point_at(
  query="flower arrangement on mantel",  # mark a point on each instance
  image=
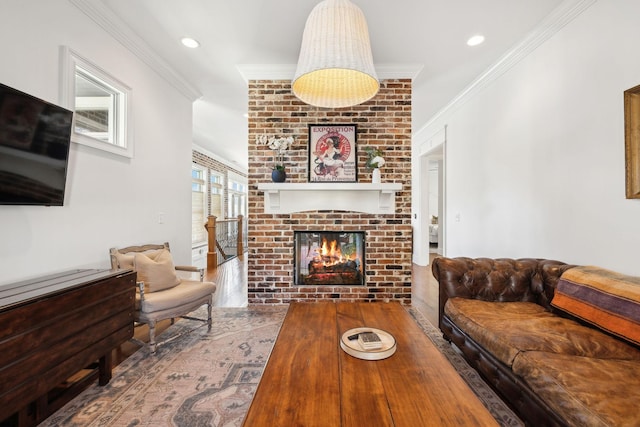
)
(279, 145)
(374, 162)
(374, 158)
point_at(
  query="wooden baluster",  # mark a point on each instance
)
(212, 255)
(240, 247)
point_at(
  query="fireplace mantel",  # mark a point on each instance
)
(284, 198)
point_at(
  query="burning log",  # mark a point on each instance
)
(316, 267)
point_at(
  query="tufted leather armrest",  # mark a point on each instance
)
(550, 272)
(500, 279)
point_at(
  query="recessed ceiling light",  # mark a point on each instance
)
(189, 42)
(475, 40)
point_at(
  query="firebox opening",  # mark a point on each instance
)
(329, 258)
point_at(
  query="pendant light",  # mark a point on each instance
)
(335, 67)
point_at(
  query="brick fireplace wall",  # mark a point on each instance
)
(384, 122)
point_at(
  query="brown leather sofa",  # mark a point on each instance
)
(551, 368)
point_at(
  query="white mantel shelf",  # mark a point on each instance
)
(285, 198)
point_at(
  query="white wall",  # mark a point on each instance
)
(535, 161)
(110, 200)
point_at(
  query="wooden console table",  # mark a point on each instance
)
(309, 381)
(52, 328)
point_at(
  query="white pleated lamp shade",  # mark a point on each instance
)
(335, 67)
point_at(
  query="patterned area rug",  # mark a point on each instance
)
(202, 378)
(208, 378)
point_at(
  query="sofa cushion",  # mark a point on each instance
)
(584, 391)
(186, 292)
(156, 270)
(604, 298)
(507, 328)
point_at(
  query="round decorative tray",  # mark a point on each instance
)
(353, 348)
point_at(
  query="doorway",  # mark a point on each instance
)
(434, 167)
(430, 200)
(433, 206)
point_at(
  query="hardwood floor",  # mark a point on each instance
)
(424, 291)
(231, 278)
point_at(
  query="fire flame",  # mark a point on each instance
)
(330, 253)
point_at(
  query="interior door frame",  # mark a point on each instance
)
(432, 149)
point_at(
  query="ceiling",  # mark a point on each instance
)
(426, 36)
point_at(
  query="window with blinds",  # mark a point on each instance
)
(198, 205)
(216, 188)
(237, 195)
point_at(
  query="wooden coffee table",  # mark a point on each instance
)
(310, 381)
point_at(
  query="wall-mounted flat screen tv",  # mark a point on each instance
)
(35, 136)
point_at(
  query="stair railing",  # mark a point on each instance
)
(225, 239)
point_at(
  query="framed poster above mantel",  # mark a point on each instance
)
(632, 141)
(332, 153)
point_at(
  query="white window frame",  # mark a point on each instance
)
(119, 138)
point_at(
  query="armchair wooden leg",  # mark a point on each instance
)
(152, 336)
(209, 308)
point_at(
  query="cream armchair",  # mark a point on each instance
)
(161, 293)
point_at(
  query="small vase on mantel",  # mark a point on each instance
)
(375, 176)
(278, 175)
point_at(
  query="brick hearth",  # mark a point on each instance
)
(383, 122)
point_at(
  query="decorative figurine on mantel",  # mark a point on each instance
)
(279, 145)
(374, 162)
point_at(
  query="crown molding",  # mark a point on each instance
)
(287, 71)
(398, 71)
(230, 164)
(266, 71)
(566, 12)
(114, 26)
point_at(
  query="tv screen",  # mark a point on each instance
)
(35, 136)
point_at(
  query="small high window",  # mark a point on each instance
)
(101, 104)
